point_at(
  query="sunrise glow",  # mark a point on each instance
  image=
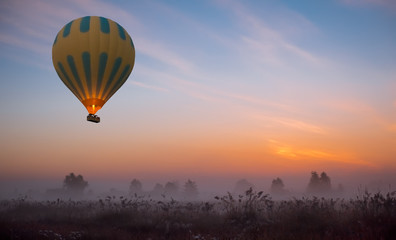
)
(219, 90)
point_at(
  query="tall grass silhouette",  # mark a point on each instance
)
(252, 215)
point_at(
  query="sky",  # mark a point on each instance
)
(221, 90)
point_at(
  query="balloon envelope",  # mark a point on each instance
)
(93, 56)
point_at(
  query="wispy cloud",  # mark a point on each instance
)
(256, 100)
(106, 9)
(303, 54)
(144, 85)
(269, 43)
(349, 105)
(24, 44)
(363, 113)
(161, 52)
(293, 123)
(287, 150)
(33, 25)
(295, 152)
(36, 23)
(211, 93)
(383, 3)
(27, 26)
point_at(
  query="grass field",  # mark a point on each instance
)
(253, 215)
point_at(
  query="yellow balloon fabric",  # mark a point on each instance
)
(93, 56)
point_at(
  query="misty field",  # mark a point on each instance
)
(253, 215)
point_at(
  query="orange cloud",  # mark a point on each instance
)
(286, 150)
(300, 153)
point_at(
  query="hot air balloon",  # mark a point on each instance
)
(93, 56)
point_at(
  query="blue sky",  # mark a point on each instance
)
(291, 85)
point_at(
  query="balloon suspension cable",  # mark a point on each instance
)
(93, 118)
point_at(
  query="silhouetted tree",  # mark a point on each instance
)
(158, 190)
(314, 182)
(74, 184)
(135, 187)
(277, 186)
(190, 190)
(325, 182)
(319, 184)
(171, 188)
(242, 186)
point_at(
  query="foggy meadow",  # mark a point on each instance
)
(183, 210)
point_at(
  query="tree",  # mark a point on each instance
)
(319, 184)
(190, 190)
(242, 186)
(135, 187)
(277, 186)
(171, 188)
(314, 182)
(325, 182)
(74, 184)
(157, 191)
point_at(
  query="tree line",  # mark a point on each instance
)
(75, 185)
(317, 184)
(189, 191)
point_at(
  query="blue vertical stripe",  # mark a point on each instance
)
(116, 66)
(70, 84)
(121, 31)
(66, 31)
(101, 70)
(73, 68)
(84, 24)
(104, 25)
(124, 75)
(86, 59)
